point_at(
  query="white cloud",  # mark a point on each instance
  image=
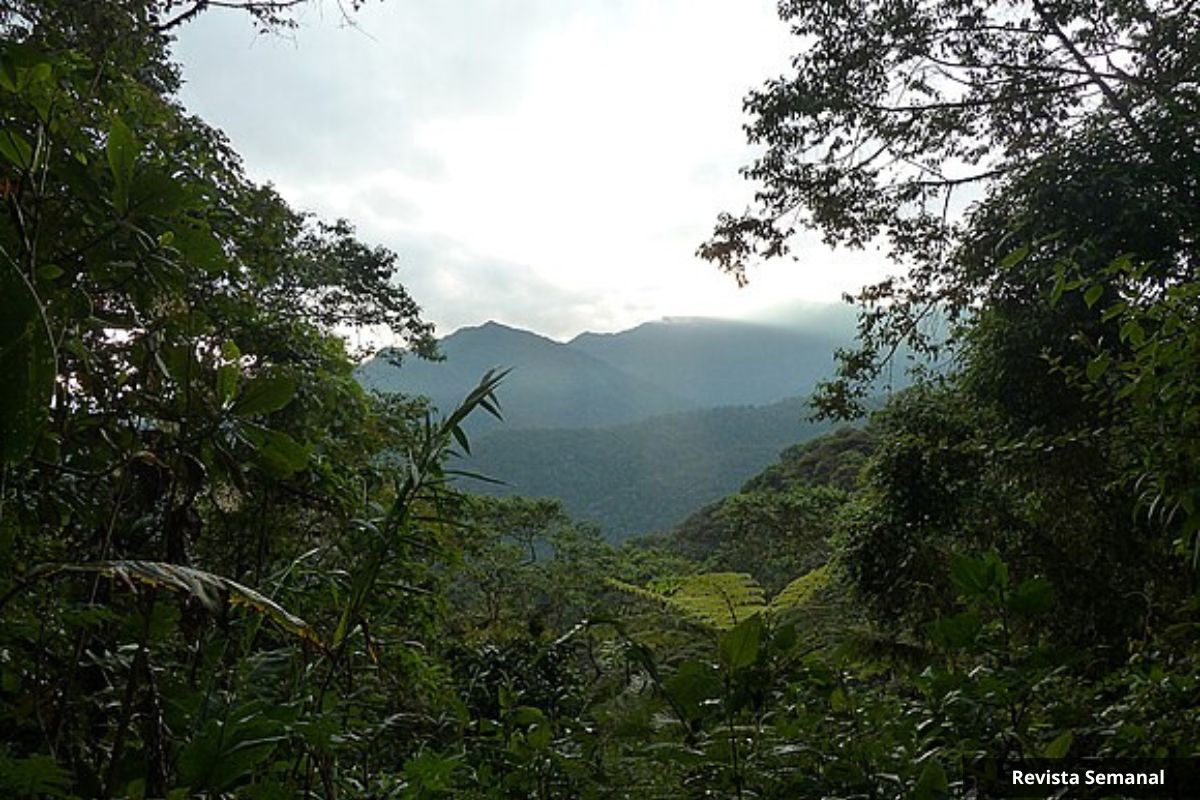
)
(552, 165)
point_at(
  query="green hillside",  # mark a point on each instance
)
(777, 525)
(647, 476)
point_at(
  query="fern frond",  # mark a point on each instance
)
(718, 600)
(801, 591)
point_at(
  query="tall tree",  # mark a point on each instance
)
(897, 113)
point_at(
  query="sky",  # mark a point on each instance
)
(548, 164)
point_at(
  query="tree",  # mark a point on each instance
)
(894, 110)
(181, 418)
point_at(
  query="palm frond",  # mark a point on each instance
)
(214, 592)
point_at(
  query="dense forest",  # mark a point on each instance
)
(641, 477)
(228, 570)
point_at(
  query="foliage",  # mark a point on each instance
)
(214, 593)
(999, 565)
(645, 476)
(781, 523)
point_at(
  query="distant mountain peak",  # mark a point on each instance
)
(493, 325)
(498, 331)
(676, 363)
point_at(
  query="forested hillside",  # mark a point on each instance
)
(771, 506)
(227, 570)
(645, 476)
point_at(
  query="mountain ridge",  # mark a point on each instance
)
(603, 379)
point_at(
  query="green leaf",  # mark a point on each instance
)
(227, 750)
(1098, 366)
(33, 776)
(265, 394)
(121, 150)
(1032, 597)
(801, 591)
(956, 632)
(227, 381)
(1093, 294)
(738, 648)
(461, 437)
(434, 774)
(14, 148)
(178, 363)
(714, 599)
(277, 451)
(28, 364)
(692, 684)
(785, 638)
(1060, 746)
(49, 272)
(1114, 311)
(1133, 333)
(199, 247)
(932, 782)
(214, 592)
(978, 578)
(539, 737)
(1014, 257)
(527, 715)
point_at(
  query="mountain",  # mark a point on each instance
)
(717, 362)
(637, 429)
(551, 384)
(603, 379)
(646, 476)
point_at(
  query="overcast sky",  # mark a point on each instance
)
(551, 164)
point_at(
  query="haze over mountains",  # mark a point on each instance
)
(637, 429)
(603, 379)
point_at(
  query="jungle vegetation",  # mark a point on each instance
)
(227, 570)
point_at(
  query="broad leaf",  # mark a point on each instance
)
(1060, 746)
(1032, 597)
(278, 452)
(957, 632)
(15, 149)
(265, 394)
(692, 684)
(738, 648)
(932, 782)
